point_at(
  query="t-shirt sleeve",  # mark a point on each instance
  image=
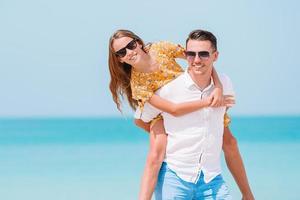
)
(227, 90)
(169, 49)
(227, 85)
(147, 114)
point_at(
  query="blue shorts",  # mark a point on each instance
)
(170, 186)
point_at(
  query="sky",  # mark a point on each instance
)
(53, 54)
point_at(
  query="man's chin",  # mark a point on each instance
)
(198, 72)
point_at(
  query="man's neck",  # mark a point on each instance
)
(201, 80)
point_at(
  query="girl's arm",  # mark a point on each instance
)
(178, 109)
(217, 94)
(216, 79)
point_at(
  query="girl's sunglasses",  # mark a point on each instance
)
(131, 46)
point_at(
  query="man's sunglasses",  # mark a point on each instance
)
(203, 55)
(122, 52)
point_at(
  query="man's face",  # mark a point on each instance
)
(200, 56)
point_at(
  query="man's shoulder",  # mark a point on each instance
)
(175, 82)
(224, 78)
(227, 84)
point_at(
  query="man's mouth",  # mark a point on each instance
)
(198, 66)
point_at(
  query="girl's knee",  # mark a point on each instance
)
(158, 127)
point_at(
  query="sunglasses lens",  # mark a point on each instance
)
(121, 53)
(131, 45)
(190, 54)
(203, 54)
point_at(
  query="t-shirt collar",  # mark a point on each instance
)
(189, 82)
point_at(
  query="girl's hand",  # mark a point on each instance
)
(217, 97)
(228, 101)
(207, 101)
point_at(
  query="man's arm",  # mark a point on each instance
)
(235, 164)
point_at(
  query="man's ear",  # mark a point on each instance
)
(216, 55)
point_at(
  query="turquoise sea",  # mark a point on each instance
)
(103, 158)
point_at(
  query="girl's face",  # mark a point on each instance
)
(128, 50)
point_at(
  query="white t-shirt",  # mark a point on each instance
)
(195, 139)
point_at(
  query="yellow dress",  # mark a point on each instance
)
(144, 85)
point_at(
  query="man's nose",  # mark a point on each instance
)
(197, 59)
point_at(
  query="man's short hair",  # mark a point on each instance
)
(202, 35)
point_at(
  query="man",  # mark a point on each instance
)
(191, 168)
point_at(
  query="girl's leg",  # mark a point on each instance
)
(155, 157)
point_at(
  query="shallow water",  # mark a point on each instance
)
(81, 159)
